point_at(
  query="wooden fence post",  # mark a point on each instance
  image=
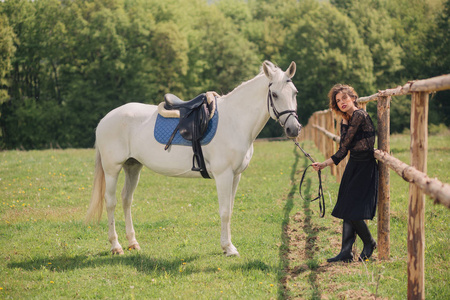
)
(330, 143)
(416, 216)
(320, 136)
(316, 131)
(363, 106)
(383, 108)
(324, 139)
(341, 165)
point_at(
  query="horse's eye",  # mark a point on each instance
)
(275, 95)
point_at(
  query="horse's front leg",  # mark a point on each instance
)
(226, 189)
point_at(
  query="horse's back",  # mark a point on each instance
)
(127, 115)
(132, 109)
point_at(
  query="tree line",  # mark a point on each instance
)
(64, 64)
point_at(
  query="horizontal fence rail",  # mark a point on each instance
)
(322, 128)
(435, 84)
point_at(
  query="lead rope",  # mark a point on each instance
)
(320, 190)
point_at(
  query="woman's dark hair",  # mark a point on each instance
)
(345, 89)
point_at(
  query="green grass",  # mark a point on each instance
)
(48, 252)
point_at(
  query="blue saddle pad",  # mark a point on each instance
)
(164, 128)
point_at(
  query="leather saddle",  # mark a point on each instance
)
(194, 116)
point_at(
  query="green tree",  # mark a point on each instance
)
(397, 33)
(64, 64)
(169, 58)
(327, 48)
(27, 120)
(230, 58)
(7, 50)
(219, 55)
(237, 10)
(97, 72)
(77, 60)
(411, 20)
(374, 25)
(271, 20)
(438, 54)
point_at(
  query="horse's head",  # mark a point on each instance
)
(282, 98)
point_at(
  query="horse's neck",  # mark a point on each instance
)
(248, 106)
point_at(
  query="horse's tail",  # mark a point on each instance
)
(95, 209)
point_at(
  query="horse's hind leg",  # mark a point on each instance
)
(132, 170)
(111, 201)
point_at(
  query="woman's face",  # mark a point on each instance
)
(345, 102)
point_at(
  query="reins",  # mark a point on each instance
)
(293, 113)
(320, 190)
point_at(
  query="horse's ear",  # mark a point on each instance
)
(290, 72)
(266, 68)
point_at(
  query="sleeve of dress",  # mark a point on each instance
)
(347, 135)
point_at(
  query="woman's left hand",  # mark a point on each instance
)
(318, 166)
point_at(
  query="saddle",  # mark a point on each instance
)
(194, 116)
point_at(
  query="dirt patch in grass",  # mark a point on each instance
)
(308, 275)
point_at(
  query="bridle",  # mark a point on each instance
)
(270, 104)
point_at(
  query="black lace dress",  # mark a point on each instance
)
(357, 198)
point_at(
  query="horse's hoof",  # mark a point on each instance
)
(134, 247)
(232, 254)
(230, 251)
(118, 251)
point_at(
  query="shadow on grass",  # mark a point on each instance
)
(141, 262)
(310, 245)
(311, 233)
(284, 248)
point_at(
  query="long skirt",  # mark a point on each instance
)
(358, 192)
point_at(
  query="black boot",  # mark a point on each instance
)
(348, 239)
(369, 243)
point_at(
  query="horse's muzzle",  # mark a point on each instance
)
(292, 129)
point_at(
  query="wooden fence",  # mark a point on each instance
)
(322, 128)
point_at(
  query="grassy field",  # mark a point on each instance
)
(48, 252)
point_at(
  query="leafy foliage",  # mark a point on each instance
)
(6, 52)
(327, 48)
(65, 64)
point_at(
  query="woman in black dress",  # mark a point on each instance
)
(357, 198)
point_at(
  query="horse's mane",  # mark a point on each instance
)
(277, 75)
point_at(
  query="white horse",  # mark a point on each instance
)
(124, 139)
